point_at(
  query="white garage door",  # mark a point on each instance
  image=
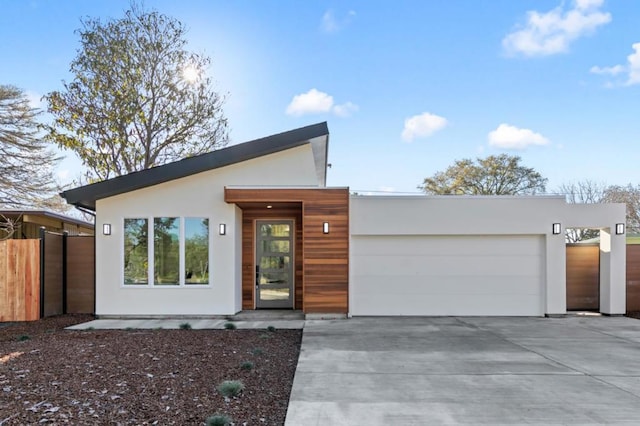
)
(446, 275)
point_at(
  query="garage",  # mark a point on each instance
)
(447, 275)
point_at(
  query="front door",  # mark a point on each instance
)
(274, 264)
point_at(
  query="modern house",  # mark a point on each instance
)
(253, 226)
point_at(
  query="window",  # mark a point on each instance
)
(196, 250)
(136, 251)
(178, 255)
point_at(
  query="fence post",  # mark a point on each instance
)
(65, 234)
(42, 236)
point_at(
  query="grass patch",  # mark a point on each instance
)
(257, 351)
(185, 326)
(229, 326)
(230, 388)
(271, 328)
(218, 420)
(23, 338)
(247, 365)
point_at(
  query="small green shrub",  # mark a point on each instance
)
(230, 388)
(257, 351)
(129, 329)
(219, 420)
(185, 326)
(271, 328)
(90, 328)
(23, 337)
(247, 365)
(230, 326)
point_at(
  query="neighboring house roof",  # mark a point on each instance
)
(316, 134)
(31, 215)
(632, 238)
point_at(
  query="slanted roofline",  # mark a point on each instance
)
(316, 134)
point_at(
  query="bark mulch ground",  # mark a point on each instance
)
(142, 377)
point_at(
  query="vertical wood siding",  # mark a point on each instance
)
(633, 277)
(583, 277)
(322, 260)
(19, 280)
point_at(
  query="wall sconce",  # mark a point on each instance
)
(325, 228)
(556, 228)
(106, 229)
(222, 229)
(619, 228)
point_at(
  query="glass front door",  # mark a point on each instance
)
(274, 264)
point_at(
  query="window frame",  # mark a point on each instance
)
(151, 253)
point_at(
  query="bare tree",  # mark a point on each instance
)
(629, 195)
(582, 192)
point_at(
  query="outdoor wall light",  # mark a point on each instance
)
(106, 229)
(222, 229)
(619, 228)
(325, 228)
(556, 228)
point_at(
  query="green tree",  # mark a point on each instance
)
(494, 175)
(27, 166)
(138, 98)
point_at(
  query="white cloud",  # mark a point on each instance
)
(511, 137)
(34, 99)
(615, 70)
(317, 102)
(634, 65)
(312, 102)
(422, 126)
(552, 32)
(345, 109)
(631, 70)
(330, 24)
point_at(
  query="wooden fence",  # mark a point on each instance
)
(48, 276)
(583, 277)
(19, 280)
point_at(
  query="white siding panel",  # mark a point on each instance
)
(440, 275)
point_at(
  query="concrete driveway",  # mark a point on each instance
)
(423, 371)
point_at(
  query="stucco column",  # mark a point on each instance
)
(556, 275)
(613, 264)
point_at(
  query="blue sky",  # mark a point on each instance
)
(407, 87)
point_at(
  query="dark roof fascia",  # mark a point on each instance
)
(86, 196)
(51, 215)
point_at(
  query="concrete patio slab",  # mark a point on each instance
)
(416, 371)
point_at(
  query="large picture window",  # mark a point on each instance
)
(178, 255)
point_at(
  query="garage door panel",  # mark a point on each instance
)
(452, 305)
(443, 265)
(457, 284)
(444, 275)
(443, 245)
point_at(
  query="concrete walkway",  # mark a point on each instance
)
(195, 323)
(422, 371)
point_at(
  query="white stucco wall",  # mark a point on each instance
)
(493, 217)
(200, 195)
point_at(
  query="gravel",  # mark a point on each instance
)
(49, 375)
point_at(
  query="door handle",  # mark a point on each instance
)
(257, 275)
